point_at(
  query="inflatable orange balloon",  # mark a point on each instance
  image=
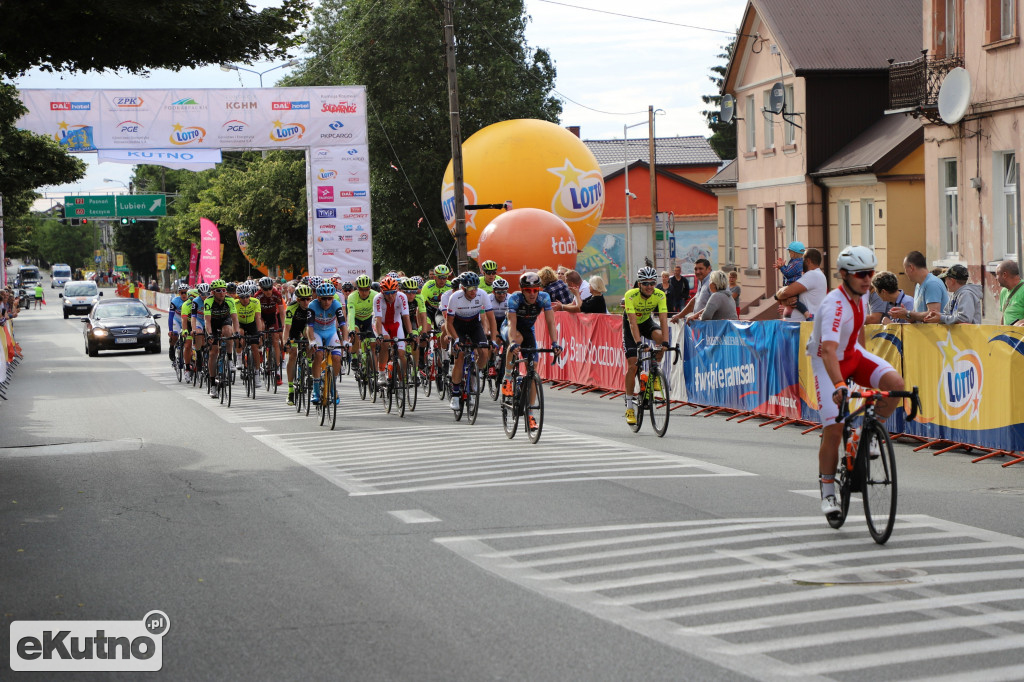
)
(527, 239)
(533, 164)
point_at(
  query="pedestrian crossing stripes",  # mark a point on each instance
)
(428, 451)
(787, 598)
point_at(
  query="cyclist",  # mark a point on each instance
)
(430, 297)
(468, 318)
(272, 311)
(360, 311)
(523, 309)
(328, 317)
(232, 290)
(638, 323)
(837, 355)
(297, 319)
(499, 305)
(250, 319)
(221, 318)
(490, 271)
(390, 321)
(186, 329)
(197, 321)
(411, 289)
(174, 318)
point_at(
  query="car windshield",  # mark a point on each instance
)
(105, 312)
(61, 272)
(80, 290)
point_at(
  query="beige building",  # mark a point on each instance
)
(972, 213)
(835, 87)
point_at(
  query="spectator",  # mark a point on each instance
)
(808, 291)
(595, 302)
(964, 306)
(792, 270)
(695, 306)
(929, 294)
(886, 296)
(562, 270)
(735, 289)
(679, 291)
(1011, 298)
(575, 281)
(720, 305)
(666, 285)
(556, 288)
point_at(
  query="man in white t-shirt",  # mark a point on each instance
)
(808, 291)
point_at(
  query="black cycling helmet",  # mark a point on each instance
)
(529, 280)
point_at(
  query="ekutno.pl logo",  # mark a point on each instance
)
(97, 645)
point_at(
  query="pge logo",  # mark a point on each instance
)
(284, 132)
(324, 193)
(96, 645)
(323, 238)
(325, 174)
(960, 382)
(337, 125)
(580, 193)
(235, 126)
(182, 135)
(327, 213)
(129, 127)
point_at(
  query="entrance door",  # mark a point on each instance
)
(771, 283)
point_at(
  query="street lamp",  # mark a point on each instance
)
(120, 182)
(234, 67)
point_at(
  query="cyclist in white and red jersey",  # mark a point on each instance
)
(390, 321)
(837, 355)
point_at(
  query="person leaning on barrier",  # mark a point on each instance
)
(886, 296)
(964, 306)
(929, 294)
(721, 305)
(1011, 298)
(695, 306)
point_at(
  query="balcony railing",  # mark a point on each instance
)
(914, 85)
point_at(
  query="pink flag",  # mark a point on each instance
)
(193, 262)
(209, 250)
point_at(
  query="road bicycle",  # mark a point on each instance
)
(495, 370)
(867, 465)
(249, 367)
(327, 408)
(271, 363)
(393, 391)
(225, 372)
(522, 393)
(472, 383)
(653, 395)
(179, 357)
(302, 388)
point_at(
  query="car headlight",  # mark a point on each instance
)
(98, 331)
(151, 329)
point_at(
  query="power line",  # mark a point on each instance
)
(656, 21)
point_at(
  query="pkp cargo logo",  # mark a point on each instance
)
(960, 382)
(283, 132)
(327, 213)
(182, 135)
(580, 193)
(89, 645)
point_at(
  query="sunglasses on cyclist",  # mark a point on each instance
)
(531, 290)
(220, 291)
(326, 298)
(647, 283)
(307, 299)
(863, 274)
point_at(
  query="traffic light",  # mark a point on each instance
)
(74, 221)
(85, 221)
(173, 266)
(128, 221)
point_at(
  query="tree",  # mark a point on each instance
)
(397, 51)
(723, 138)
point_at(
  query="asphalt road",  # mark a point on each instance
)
(424, 549)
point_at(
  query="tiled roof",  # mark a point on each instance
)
(692, 150)
(877, 149)
(727, 176)
(839, 35)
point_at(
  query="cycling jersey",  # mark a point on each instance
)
(391, 314)
(326, 319)
(195, 311)
(220, 313)
(430, 295)
(527, 313)
(635, 303)
(497, 307)
(443, 305)
(247, 313)
(270, 302)
(465, 308)
(488, 288)
(174, 313)
(297, 318)
(360, 308)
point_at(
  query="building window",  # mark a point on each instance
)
(867, 222)
(769, 127)
(790, 129)
(752, 237)
(843, 216)
(1007, 218)
(730, 236)
(949, 211)
(1006, 18)
(751, 125)
(950, 18)
(790, 222)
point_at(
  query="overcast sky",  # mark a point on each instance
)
(614, 67)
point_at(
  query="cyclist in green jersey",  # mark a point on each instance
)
(490, 272)
(429, 299)
(297, 324)
(638, 323)
(250, 319)
(359, 313)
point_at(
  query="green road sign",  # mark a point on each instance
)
(88, 207)
(141, 205)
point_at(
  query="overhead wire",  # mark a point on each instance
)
(656, 21)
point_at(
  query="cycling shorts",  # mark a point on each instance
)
(365, 328)
(176, 324)
(396, 331)
(647, 328)
(249, 328)
(526, 330)
(327, 337)
(271, 320)
(218, 331)
(470, 330)
(866, 369)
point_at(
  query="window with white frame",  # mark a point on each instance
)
(949, 209)
(730, 236)
(843, 218)
(867, 222)
(751, 124)
(769, 126)
(1005, 211)
(1006, 18)
(790, 221)
(752, 237)
(790, 129)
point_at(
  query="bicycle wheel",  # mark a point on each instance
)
(844, 487)
(299, 384)
(331, 404)
(179, 363)
(389, 392)
(309, 387)
(640, 405)
(659, 404)
(251, 369)
(412, 383)
(499, 373)
(442, 379)
(879, 472)
(473, 393)
(424, 374)
(401, 390)
(322, 407)
(533, 412)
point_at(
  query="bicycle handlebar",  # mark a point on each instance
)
(871, 395)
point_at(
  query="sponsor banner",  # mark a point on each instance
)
(724, 363)
(193, 266)
(209, 251)
(593, 349)
(230, 118)
(340, 234)
(183, 159)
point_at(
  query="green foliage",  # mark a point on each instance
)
(723, 138)
(397, 51)
(47, 240)
(138, 243)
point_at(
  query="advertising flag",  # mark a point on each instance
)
(209, 250)
(193, 266)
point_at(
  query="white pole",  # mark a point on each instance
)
(629, 228)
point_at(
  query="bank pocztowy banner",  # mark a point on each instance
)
(593, 349)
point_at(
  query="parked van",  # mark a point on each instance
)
(60, 275)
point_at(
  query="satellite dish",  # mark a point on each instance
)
(728, 109)
(777, 99)
(954, 95)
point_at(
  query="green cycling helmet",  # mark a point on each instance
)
(442, 270)
(489, 266)
(218, 284)
(363, 282)
(304, 291)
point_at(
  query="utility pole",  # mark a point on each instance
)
(453, 106)
(654, 188)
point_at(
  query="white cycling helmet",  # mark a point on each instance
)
(856, 258)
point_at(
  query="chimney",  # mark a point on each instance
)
(575, 130)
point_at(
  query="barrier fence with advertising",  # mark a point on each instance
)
(964, 372)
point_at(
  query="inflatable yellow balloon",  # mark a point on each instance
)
(534, 164)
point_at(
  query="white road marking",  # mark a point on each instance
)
(414, 516)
